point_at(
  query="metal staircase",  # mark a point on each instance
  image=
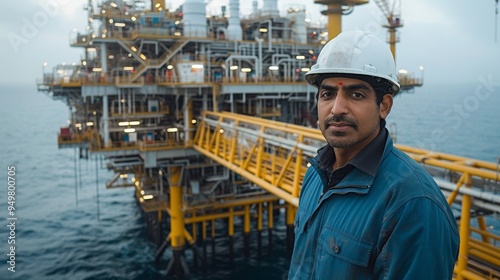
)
(159, 62)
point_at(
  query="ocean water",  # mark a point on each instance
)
(70, 227)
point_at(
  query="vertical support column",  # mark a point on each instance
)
(177, 227)
(188, 116)
(176, 213)
(215, 96)
(270, 224)
(392, 41)
(246, 230)
(130, 104)
(290, 218)
(204, 238)
(105, 121)
(334, 19)
(159, 231)
(259, 227)
(231, 233)
(104, 63)
(464, 230)
(212, 229)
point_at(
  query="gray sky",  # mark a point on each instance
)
(453, 40)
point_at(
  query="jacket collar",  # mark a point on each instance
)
(366, 162)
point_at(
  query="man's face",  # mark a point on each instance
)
(348, 114)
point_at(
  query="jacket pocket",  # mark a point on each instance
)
(341, 248)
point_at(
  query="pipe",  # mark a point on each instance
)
(256, 65)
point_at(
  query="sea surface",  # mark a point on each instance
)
(69, 226)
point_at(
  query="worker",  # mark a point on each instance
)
(366, 209)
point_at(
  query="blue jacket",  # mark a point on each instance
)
(396, 225)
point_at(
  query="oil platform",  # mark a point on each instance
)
(208, 118)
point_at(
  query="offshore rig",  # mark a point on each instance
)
(208, 118)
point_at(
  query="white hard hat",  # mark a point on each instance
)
(355, 54)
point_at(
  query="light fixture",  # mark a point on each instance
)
(129, 130)
(234, 67)
(129, 123)
(172, 129)
(128, 68)
(246, 70)
(274, 68)
(96, 69)
(197, 66)
(263, 30)
(300, 57)
(148, 196)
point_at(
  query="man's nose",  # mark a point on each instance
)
(339, 105)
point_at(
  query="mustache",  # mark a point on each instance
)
(340, 119)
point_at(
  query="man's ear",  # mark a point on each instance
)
(385, 106)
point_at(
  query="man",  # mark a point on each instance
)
(366, 210)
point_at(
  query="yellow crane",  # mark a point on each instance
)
(393, 16)
(394, 21)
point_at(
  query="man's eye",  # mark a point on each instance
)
(325, 94)
(357, 95)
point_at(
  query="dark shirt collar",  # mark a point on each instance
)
(367, 160)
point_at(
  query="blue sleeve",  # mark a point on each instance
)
(420, 241)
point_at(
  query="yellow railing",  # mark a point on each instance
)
(268, 153)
